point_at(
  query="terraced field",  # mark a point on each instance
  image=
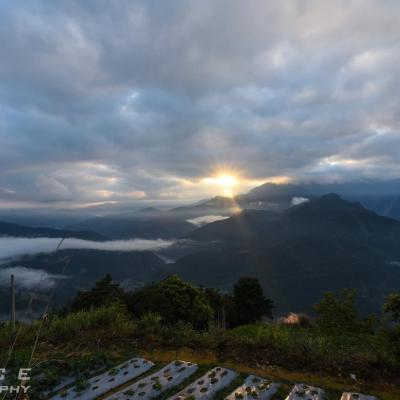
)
(140, 379)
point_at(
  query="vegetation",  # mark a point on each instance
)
(338, 314)
(174, 300)
(249, 302)
(337, 342)
(392, 306)
(105, 292)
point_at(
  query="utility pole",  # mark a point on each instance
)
(12, 303)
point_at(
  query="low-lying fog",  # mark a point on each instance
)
(206, 219)
(11, 247)
(28, 278)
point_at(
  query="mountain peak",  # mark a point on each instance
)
(331, 197)
(330, 201)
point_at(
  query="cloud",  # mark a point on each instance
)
(53, 189)
(206, 219)
(12, 247)
(299, 200)
(27, 278)
(139, 102)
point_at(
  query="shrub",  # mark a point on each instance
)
(150, 323)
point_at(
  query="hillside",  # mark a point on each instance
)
(145, 224)
(325, 244)
(379, 196)
(15, 230)
(84, 267)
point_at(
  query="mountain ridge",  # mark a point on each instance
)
(321, 245)
(17, 230)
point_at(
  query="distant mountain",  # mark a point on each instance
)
(380, 196)
(147, 224)
(324, 244)
(152, 223)
(82, 268)
(15, 230)
(216, 205)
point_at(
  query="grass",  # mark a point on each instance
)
(113, 316)
(77, 341)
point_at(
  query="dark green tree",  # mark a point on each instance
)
(392, 306)
(221, 304)
(174, 300)
(249, 303)
(105, 291)
(338, 314)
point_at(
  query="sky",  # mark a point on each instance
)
(113, 101)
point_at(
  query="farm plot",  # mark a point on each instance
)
(208, 385)
(152, 386)
(101, 384)
(356, 396)
(301, 392)
(64, 382)
(254, 388)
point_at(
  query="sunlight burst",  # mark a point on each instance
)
(225, 182)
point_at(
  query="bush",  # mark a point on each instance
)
(150, 323)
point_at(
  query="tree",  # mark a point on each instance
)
(338, 314)
(249, 303)
(105, 292)
(175, 300)
(392, 333)
(392, 306)
(220, 303)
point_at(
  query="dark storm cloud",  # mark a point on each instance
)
(118, 100)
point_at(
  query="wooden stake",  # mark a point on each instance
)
(12, 303)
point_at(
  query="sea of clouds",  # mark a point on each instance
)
(11, 247)
(206, 219)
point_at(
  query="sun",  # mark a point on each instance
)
(225, 183)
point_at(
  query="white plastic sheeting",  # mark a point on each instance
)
(254, 387)
(208, 385)
(356, 396)
(101, 384)
(306, 392)
(153, 385)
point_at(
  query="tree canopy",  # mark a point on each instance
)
(392, 306)
(338, 313)
(249, 302)
(175, 300)
(105, 292)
